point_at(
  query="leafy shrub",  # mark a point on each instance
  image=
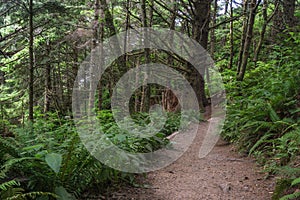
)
(47, 159)
(263, 112)
(48, 156)
(128, 140)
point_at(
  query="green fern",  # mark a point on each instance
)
(11, 163)
(31, 195)
(4, 186)
(296, 181)
(262, 140)
(11, 192)
(8, 146)
(273, 115)
(294, 195)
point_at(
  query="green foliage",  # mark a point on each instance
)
(54, 161)
(52, 158)
(283, 186)
(48, 156)
(11, 190)
(263, 114)
(128, 140)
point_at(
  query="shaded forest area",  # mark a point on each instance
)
(255, 46)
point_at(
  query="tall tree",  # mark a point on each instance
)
(31, 60)
(289, 12)
(231, 36)
(284, 19)
(212, 31)
(145, 101)
(200, 32)
(48, 86)
(266, 20)
(249, 34)
(93, 64)
(244, 34)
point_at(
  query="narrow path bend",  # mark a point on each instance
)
(222, 175)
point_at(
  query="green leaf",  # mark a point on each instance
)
(291, 196)
(273, 115)
(295, 111)
(63, 194)
(296, 181)
(33, 147)
(262, 140)
(54, 161)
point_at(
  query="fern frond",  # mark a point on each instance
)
(262, 140)
(296, 181)
(273, 115)
(31, 195)
(291, 196)
(10, 163)
(4, 186)
(8, 146)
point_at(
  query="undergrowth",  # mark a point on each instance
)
(47, 160)
(263, 116)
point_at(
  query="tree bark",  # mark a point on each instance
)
(2, 77)
(289, 12)
(31, 61)
(284, 18)
(93, 64)
(48, 88)
(167, 94)
(212, 31)
(101, 38)
(231, 37)
(263, 29)
(145, 102)
(200, 22)
(200, 32)
(249, 35)
(244, 34)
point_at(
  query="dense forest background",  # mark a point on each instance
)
(254, 43)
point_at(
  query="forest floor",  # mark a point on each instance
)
(223, 174)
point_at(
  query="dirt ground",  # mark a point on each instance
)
(222, 175)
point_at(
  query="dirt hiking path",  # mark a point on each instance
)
(222, 175)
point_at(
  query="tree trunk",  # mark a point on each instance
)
(31, 61)
(201, 19)
(145, 101)
(101, 38)
(151, 13)
(263, 29)
(244, 33)
(212, 31)
(289, 12)
(74, 74)
(167, 94)
(48, 88)
(284, 18)
(2, 77)
(226, 6)
(231, 37)
(200, 30)
(248, 40)
(137, 104)
(108, 18)
(93, 64)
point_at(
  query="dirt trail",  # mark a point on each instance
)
(222, 175)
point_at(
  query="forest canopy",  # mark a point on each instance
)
(254, 45)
